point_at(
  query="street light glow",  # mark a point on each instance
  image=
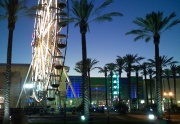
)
(28, 86)
(83, 117)
(151, 116)
(168, 94)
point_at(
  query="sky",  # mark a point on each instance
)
(106, 40)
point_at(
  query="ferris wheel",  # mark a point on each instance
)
(49, 44)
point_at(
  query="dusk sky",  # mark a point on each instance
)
(105, 40)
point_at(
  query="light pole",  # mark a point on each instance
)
(168, 95)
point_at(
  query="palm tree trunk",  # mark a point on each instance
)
(146, 85)
(137, 90)
(174, 78)
(169, 87)
(150, 76)
(129, 90)
(119, 86)
(84, 73)
(111, 73)
(106, 87)
(89, 89)
(161, 82)
(6, 120)
(158, 85)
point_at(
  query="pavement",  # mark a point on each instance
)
(102, 117)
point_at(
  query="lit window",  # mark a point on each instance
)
(115, 92)
(114, 76)
(1, 99)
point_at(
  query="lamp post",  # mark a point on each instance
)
(168, 95)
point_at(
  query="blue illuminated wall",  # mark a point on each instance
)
(98, 83)
(77, 85)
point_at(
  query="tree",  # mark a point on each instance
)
(174, 72)
(144, 68)
(137, 68)
(167, 73)
(130, 59)
(150, 72)
(178, 69)
(104, 70)
(111, 67)
(11, 8)
(152, 27)
(82, 11)
(90, 63)
(120, 65)
(164, 62)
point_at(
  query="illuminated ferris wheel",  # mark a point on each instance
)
(49, 44)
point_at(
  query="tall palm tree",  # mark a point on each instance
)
(167, 73)
(130, 59)
(82, 11)
(90, 66)
(178, 69)
(164, 61)
(174, 72)
(11, 9)
(144, 68)
(150, 71)
(152, 27)
(137, 68)
(111, 67)
(120, 65)
(104, 70)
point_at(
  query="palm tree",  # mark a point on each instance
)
(178, 69)
(11, 9)
(164, 62)
(90, 63)
(152, 27)
(82, 11)
(174, 72)
(104, 70)
(150, 72)
(130, 59)
(137, 68)
(120, 65)
(144, 68)
(111, 67)
(167, 73)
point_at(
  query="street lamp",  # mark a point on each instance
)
(168, 95)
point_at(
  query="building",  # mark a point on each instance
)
(18, 75)
(19, 72)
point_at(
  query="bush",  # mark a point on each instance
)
(121, 108)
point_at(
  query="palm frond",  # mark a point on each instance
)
(106, 17)
(175, 22)
(140, 22)
(101, 7)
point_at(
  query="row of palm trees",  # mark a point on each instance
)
(131, 63)
(152, 26)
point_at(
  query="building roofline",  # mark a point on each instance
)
(15, 64)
